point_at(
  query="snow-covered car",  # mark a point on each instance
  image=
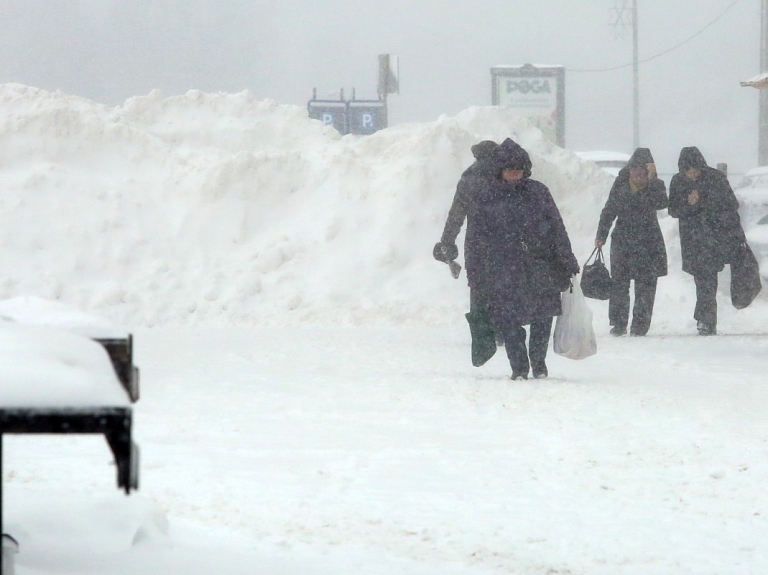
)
(757, 238)
(755, 178)
(752, 193)
(610, 162)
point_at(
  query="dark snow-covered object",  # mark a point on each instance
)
(9, 551)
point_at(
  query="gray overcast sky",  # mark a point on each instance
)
(110, 50)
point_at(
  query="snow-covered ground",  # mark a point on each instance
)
(308, 404)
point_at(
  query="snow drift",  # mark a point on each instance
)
(224, 208)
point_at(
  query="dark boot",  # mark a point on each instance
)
(537, 347)
(706, 329)
(539, 370)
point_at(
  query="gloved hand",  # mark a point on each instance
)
(445, 252)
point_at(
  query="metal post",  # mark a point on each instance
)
(384, 87)
(636, 78)
(2, 561)
(762, 146)
(383, 98)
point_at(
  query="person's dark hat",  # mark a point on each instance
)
(512, 156)
(691, 157)
(484, 150)
(640, 157)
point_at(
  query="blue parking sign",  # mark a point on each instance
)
(331, 113)
(367, 116)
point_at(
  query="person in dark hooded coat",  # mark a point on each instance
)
(517, 255)
(476, 177)
(637, 245)
(710, 229)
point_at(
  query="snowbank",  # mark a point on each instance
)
(222, 208)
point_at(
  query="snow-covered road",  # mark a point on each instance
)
(381, 450)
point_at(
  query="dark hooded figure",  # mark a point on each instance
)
(516, 252)
(710, 229)
(637, 245)
(476, 177)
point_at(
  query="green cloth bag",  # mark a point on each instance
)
(483, 336)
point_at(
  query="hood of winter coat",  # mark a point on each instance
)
(641, 157)
(484, 150)
(511, 155)
(691, 157)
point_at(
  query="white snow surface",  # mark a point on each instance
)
(43, 367)
(308, 404)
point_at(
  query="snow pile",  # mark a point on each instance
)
(224, 208)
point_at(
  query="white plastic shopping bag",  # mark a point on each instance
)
(574, 337)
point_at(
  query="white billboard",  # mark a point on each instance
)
(535, 92)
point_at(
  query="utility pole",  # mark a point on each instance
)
(636, 77)
(620, 14)
(762, 143)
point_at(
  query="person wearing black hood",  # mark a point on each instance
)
(637, 245)
(519, 256)
(478, 176)
(710, 229)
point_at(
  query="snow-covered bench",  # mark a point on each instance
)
(62, 371)
(34, 311)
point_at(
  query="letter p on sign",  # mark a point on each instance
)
(367, 121)
(328, 119)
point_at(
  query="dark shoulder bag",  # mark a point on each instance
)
(745, 277)
(595, 277)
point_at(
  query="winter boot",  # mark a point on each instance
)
(539, 370)
(705, 328)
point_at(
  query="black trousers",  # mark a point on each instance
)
(706, 299)
(618, 306)
(538, 342)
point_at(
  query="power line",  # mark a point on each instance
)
(667, 51)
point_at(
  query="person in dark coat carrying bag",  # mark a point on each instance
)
(474, 179)
(637, 244)
(518, 255)
(710, 229)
